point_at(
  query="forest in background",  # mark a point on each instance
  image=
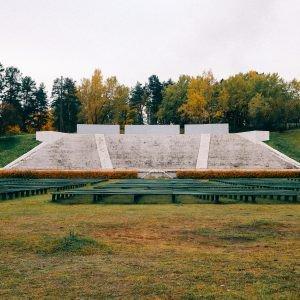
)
(247, 101)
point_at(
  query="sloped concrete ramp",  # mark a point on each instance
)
(233, 151)
(73, 151)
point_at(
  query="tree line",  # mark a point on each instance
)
(246, 101)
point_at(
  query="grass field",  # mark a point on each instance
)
(11, 147)
(233, 251)
(287, 142)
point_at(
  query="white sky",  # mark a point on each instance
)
(134, 39)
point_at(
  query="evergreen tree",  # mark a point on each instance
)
(11, 99)
(41, 115)
(2, 73)
(137, 103)
(2, 128)
(154, 88)
(65, 104)
(28, 98)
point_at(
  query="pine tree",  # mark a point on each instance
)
(2, 73)
(154, 88)
(65, 104)
(29, 103)
(137, 103)
(41, 115)
(11, 100)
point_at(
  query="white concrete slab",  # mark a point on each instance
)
(98, 129)
(49, 136)
(256, 135)
(206, 128)
(202, 160)
(152, 129)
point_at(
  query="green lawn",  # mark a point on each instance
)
(204, 251)
(11, 147)
(288, 142)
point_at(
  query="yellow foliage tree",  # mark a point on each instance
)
(198, 108)
(103, 101)
(91, 94)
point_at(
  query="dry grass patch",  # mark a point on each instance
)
(148, 251)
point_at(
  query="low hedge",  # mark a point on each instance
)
(65, 174)
(238, 173)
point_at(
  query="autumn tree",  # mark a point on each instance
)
(91, 94)
(103, 101)
(199, 106)
(174, 96)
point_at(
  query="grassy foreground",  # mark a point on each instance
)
(288, 142)
(233, 251)
(13, 146)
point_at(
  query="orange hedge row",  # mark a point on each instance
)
(238, 173)
(109, 174)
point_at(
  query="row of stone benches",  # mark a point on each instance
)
(214, 195)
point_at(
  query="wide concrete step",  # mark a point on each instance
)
(153, 151)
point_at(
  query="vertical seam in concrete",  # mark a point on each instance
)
(104, 157)
(202, 160)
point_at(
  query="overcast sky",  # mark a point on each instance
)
(134, 39)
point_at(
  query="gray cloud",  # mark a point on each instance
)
(133, 39)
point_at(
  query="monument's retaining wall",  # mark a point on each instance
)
(152, 129)
(98, 129)
(206, 128)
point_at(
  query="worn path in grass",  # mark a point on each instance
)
(288, 142)
(13, 146)
(204, 251)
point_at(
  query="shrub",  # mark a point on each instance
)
(13, 129)
(73, 244)
(240, 173)
(66, 174)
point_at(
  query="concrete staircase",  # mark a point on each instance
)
(151, 154)
(153, 151)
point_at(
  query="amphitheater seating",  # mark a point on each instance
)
(208, 190)
(285, 184)
(11, 188)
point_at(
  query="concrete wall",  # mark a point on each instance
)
(152, 129)
(255, 135)
(98, 129)
(206, 128)
(48, 136)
